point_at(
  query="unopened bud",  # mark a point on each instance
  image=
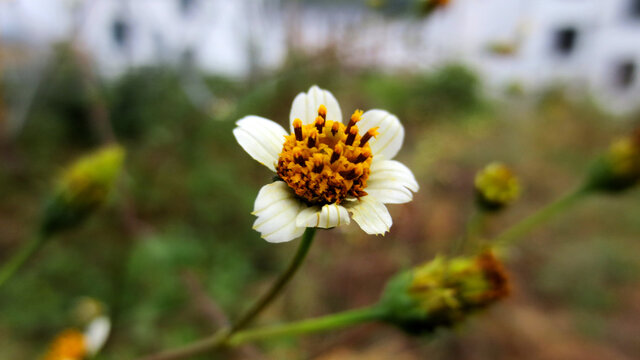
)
(496, 187)
(82, 187)
(619, 168)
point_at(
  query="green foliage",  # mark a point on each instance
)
(451, 90)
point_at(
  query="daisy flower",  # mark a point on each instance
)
(73, 344)
(326, 169)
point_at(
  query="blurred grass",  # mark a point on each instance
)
(186, 198)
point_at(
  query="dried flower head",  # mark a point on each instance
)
(496, 187)
(82, 188)
(326, 169)
(443, 292)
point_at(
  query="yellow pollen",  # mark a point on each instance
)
(326, 162)
(373, 132)
(354, 119)
(322, 111)
(319, 123)
(69, 345)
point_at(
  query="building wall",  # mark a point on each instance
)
(586, 44)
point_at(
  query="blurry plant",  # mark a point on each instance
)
(81, 189)
(615, 171)
(496, 187)
(74, 344)
(439, 294)
(452, 89)
(619, 168)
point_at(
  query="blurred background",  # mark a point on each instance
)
(542, 85)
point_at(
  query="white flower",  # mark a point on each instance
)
(96, 334)
(328, 169)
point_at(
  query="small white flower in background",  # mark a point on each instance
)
(326, 169)
(73, 344)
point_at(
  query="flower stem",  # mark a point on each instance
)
(221, 337)
(267, 298)
(473, 229)
(512, 234)
(323, 323)
(212, 342)
(16, 261)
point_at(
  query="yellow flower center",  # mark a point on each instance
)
(326, 162)
(69, 345)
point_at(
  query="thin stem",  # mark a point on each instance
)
(267, 298)
(18, 259)
(473, 229)
(221, 337)
(512, 234)
(323, 323)
(212, 342)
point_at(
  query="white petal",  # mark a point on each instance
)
(305, 106)
(261, 138)
(96, 334)
(391, 182)
(372, 216)
(277, 208)
(391, 136)
(327, 216)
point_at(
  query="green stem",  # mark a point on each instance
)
(323, 323)
(473, 229)
(512, 234)
(212, 342)
(16, 261)
(220, 338)
(267, 298)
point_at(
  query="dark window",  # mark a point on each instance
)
(187, 6)
(625, 73)
(565, 40)
(634, 9)
(120, 31)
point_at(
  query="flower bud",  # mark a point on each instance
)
(619, 168)
(496, 187)
(443, 292)
(81, 188)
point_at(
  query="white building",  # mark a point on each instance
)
(585, 44)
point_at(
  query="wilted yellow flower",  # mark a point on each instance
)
(443, 292)
(83, 187)
(496, 186)
(619, 168)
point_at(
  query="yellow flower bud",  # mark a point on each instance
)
(619, 168)
(444, 292)
(82, 187)
(496, 187)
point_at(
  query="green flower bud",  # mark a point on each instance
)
(619, 168)
(496, 187)
(82, 188)
(443, 292)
